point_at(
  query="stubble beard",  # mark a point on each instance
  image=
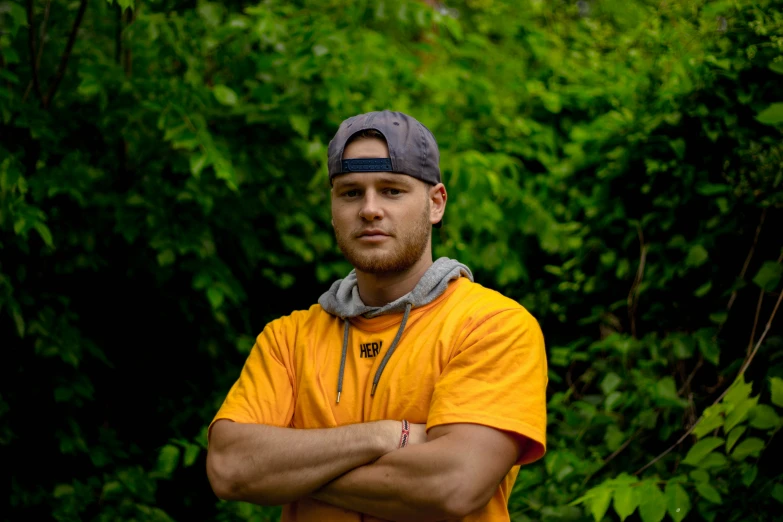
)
(372, 261)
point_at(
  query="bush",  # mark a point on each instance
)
(614, 166)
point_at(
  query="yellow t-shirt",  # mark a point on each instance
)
(470, 356)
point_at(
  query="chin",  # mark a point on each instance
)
(382, 263)
(392, 257)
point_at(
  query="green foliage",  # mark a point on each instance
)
(616, 167)
(772, 115)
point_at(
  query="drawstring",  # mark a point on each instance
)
(386, 357)
(342, 360)
(391, 349)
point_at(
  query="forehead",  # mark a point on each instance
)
(366, 148)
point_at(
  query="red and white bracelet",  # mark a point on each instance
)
(406, 432)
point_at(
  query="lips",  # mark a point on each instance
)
(372, 237)
(372, 233)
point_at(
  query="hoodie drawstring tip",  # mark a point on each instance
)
(338, 397)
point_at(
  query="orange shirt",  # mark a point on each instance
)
(470, 356)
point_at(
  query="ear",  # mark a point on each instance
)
(438, 197)
(331, 202)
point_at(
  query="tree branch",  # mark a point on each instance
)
(118, 36)
(66, 55)
(130, 16)
(42, 36)
(31, 49)
(633, 298)
(611, 457)
(748, 257)
(741, 372)
(752, 354)
(687, 382)
(755, 323)
(42, 40)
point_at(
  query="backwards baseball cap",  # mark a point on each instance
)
(412, 147)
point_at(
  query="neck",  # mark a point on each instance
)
(381, 289)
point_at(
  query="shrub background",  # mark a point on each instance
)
(615, 166)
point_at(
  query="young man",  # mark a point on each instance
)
(409, 392)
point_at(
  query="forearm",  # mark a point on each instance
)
(270, 465)
(418, 483)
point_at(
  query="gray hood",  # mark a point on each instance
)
(343, 301)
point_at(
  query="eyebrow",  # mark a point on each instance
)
(394, 179)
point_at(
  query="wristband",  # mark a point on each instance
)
(406, 432)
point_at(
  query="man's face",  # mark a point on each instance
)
(381, 219)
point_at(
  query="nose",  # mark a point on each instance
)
(371, 209)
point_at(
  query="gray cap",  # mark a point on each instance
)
(412, 147)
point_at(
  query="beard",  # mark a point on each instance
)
(412, 244)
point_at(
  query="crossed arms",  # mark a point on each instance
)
(447, 473)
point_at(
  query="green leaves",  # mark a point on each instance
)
(225, 95)
(708, 492)
(124, 4)
(734, 436)
(626, 500)
(697, 256)
(739, 413)
(708, 346)
(701, 449)
(215, 296)
(652, 506)
(764, 417)
(777, 492)
(168, 458)
(610, 382)
(301, 124)
(751, 446)
(623, 492)
(191, 454)
(749, 475)
(666, 392)
(599, 503)
(776, 388)
(626, 495)
(599, 171)
(769, 275)
(772, 115)
(739, 392)
(16, 13)
(677, 502)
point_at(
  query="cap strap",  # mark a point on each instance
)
(367, 165)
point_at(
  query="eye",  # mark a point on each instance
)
(393, 191)
(351, 193)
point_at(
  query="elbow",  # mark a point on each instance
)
(223, 478)
(219, 475)
(228, 483)
(464, 498)
(457, 508)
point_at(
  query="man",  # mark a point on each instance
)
(409, 392)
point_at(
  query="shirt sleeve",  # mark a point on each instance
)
(264, 393)
(497, 378)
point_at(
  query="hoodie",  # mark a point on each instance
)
(342, 300)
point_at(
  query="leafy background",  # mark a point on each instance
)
(616, 166)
